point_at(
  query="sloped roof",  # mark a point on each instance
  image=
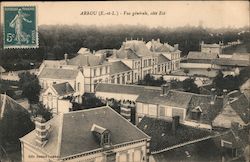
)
(126, 89)
(157, 46)
(132, 49)
(8, 104)
(162, 59)
(71, 132)
(87, 59)
(209, 111)
(162, 135)
(172, 98)
(214, 45)
(2, 70)
(118, 67)
(231, 62)
(63, 88)
(58, 73)
(242, 108)
(201, 55)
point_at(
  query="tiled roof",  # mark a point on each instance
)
(54, 63)
(126, 89)
(63, 88)
(132, 49)
(118, 67)
(241, 56)
(157, 46)
(242, 108)
(172, 98)
(2, 70)
(209, 111)
(162, 59)
(86, 60)
(231, 62)
(201, 55)
(71, 132)
(7, 104)
(83, 50)
(162, 135)
(58, 73)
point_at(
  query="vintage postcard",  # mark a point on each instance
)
(125, 81)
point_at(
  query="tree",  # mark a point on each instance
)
(189, 86)
(29, 84)
(40, 110)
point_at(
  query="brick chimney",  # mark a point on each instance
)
(175, 123)
(41, 131)
(164, 89)
(176, 46)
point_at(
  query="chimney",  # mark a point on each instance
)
(158, 40)
(41, 131)
(142, 39)
(126, 39)
(93, 51)
(213, 96)
(225, 97)
(202, 42)
(175, 123)
(66, 58)
(165, 88)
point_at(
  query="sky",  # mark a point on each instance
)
(214, 14)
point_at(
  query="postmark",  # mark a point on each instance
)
(20, 27)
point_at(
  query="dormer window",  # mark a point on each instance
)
(102, 135)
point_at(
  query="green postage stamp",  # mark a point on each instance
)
(20, 27)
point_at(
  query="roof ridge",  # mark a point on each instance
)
(86, 110)
(130, 85)
(61, 117)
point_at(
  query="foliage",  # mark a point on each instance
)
(91, 101)
(150, 80)
(29, 84)
(230, 82)
(175, 84)
(40, 110)
(55, 40)
(189, 86)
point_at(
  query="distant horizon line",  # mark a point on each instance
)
(150, 27)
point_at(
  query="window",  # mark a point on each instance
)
(162, 111)
(118, 79)
(136, 64)
(106, 138)
(123, 79)
(101, 71)
(149, 62)
(128, 77)
(112, 79)
(159, 68)
(135, 76)
(94, 72)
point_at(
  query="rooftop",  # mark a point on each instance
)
(157, 46)
(162, 59)
(201, 55)
(132, 49)
(71, 132)
(63, 88)
(7, 104)
(162, 135)
(86, 59)
(58, 73)
(126, 89)
(231, 62)
(118, 67)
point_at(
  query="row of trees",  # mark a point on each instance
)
(56, 40)
(187, 85)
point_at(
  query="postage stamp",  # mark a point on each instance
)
(20, 27)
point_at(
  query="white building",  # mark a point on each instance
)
(94, 135)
